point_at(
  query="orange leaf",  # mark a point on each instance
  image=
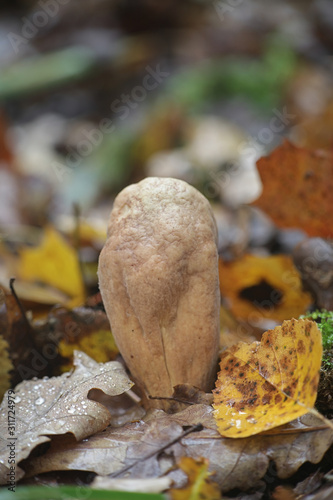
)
(298, 186)
(258, 288)
(268, 383)
(200, 486)
(316, 131)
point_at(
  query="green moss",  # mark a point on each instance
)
(324, 319)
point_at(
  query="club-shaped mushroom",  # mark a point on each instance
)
(158, 276)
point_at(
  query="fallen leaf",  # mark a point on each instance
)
(284, 493)
(190, 394)
(57, 406)
(45, 347)
(54, 262)
(99, 345)
(310, 484)
(194, 415)
(260, 288)
(184, 395)
(325, 493)
(238, 463)
(200, 485)
(23, 351)
(5, 366)
(108, 452)
(38, 293)
(266, 384)
(297, 188)
(83, 328)
(241, 463)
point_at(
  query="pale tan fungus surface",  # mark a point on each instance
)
(158, 275)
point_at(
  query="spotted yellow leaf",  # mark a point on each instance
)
(268, 383)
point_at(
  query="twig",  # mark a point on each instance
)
(134, 397)
(178, 400)
(193, 428)
(77, 242)
(19, 303)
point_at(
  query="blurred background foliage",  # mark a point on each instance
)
(97, 94)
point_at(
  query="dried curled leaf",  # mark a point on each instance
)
(59, 405)
(200, 486)
(238, 463)
(21, 347)
(297, 188)
(268, 383)
(258, 288)
(84, 328)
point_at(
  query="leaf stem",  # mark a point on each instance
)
(193, 428)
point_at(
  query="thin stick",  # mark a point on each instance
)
(178, 400)
(77, 242)
(193, 428)
(19, 303)
(134, 397)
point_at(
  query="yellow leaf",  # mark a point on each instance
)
(99, 345)
(54, 263)
(258, 288)
(268, 383)
(200, 486)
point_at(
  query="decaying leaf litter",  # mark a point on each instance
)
(265, 278)
(57, 406)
